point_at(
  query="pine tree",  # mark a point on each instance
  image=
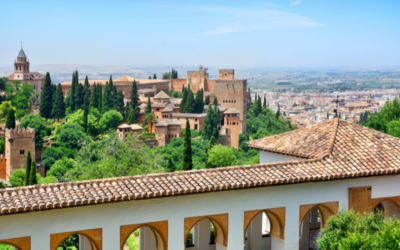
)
(10, 120)
(94, 98)
(28, 167)
(87, 90)
(208, 124)
(278, 113)
(212, 144)
(190, 105)
(154, 76)
(148, 107)
(187, 163)
(169, 166)
(119, 104)
(85, 113)
(265, 102)
(32, 174)
(107, 99)
(59, 105)
(199, 103)
(100, 95)
(72, 94)
(46, 97)
(79, 96)
(207, 101)
(182, 107)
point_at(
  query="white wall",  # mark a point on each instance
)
(269, 157)
(109, 217)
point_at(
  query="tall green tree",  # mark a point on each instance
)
(73, 90)
(182, 107)
(119, 102)
(100, 95)
(59, 105)
(169, 167)
(79, 96)
(46, 97)
(134, 110)
(10, 120)
(278, 112)
(114, 93)
(148, 107)
(207, 101)
(216, 119)
(107, 104)
(154, 76)
(187, 163)
(215, 102)
(190, 103)
(32, 175)
(85, 113)
(87, 90)
(265, 102)
(94, 99)
(28, 166)
(199, 102)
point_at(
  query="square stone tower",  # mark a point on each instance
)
(18, 142)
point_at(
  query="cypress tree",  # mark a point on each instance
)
(154, 76)
(134, 109)
(149, 77)
(187, 163)
(59, 105)
(100, 95)
(107, 99)
(208, 125)
(114, 93)
(148, 107)
(32, 174)
(133, 116)
(212, 144)
(278, 113)
(190, 103)
(215, 102)
(327, 115)
(28, 167)
(265, 102)
(207, 101)
(182, 107)
(46, 97)
(72, 93)
(10, 120)
(216, 119)
(119, 104)
(127, 111)
(53, 97)
(94, 98)
(85, 113)
(169, 166)
(199, 103)
(79, 96)
(259, 107)
(88, 91)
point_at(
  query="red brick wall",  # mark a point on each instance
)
(3, 168)
(176, 84)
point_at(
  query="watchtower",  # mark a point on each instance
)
(21, 66)
(226, 74)
(18, 142)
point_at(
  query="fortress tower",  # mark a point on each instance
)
(18, 142)
(232, 121)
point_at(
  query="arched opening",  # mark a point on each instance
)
(310, 229)
(264, 231)
(4, 246)
(201, 236)
(77, 242)
(144, 238)
(388, 208)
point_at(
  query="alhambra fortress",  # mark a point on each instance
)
(304, 177)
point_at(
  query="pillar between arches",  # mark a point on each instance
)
(160, 229)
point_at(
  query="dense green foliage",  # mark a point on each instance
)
(350, 230)
(28, 164)
(58, 105)
(10, 121)
(175, 94)
(33, 180)
(71, 135)
(107, 99)
(35, 122)
(52, 154)
(189, 104)
(21, 95)
(187, 163)
(211, 127)
(18, 178)
(134, 106)
(221, 156)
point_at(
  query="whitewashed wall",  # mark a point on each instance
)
(39, 225)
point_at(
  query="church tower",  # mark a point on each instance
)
(21, 66)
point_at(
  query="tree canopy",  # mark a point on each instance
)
(35, 122)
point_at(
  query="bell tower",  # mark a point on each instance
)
(21, 66)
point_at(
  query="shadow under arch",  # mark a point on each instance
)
(326, 210)
(93, 235)
(23, 243)
(220, 222)
(276, 217)
(160, 230)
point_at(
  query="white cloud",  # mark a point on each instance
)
(295, 3)
(252, 20)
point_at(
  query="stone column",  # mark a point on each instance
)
(147, 239)
(202, 232)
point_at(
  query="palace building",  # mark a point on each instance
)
(304, 177)
(22, 73)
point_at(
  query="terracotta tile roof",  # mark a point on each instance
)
(352, 151)
(161, 95)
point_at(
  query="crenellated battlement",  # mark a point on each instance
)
(231, 81)
(20, 132)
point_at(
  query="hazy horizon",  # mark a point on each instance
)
(302, 34)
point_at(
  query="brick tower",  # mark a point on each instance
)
(232, 121)
(18, 142)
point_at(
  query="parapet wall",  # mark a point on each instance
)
(226, 74)
(20, 133)
(231, 81)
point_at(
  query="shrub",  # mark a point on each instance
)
(48, 131)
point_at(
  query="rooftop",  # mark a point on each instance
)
(21, 54)
(349, 151)
(161, 95)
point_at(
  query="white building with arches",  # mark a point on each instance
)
(304, 177)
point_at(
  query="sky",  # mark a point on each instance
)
(226, 34)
